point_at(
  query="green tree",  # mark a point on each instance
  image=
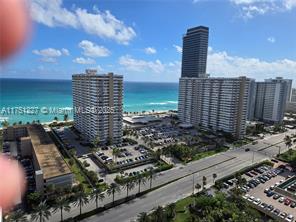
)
(151, 176)
(204, 182)
(288, 141)
(197, 186)
(140, 179)
(16, 216)
(81, 200)
(143, 217)
(66, 117)
(96, 142)
(42, 213)
(113, 188)
(34, 199)
(214, 177)
(158, 214)
(5, 124)
(62, 204)
(171, 210)
(97, 195)
(129, 185)
(115, 153)
(56, 118)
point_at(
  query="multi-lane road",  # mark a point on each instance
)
(178, 182)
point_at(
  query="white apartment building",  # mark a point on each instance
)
(271, 97)
(98, 106)
(214, 103)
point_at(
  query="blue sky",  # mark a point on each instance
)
(141, 39)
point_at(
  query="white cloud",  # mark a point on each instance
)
(141, 65)
(84, 61)
(223, 64)
(102, 24)
(150, 50)
(49, 52)
(250, 8)
(271, 39)
(92, 50)
(289, 4)
(49, 59)
(178, 48)
(65, 51)
(50, 55)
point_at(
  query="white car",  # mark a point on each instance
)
(257, 201)
(251, 198)
(289, 218)
(246, 196)
(281, 200)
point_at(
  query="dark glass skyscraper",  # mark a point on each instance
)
(195, 52)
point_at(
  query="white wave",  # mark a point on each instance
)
(163, 103)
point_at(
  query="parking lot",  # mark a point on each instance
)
(260, 192)
(124, 156)
(160, 134)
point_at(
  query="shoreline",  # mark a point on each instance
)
(125, 114)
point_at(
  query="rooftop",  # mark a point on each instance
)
(49, 158)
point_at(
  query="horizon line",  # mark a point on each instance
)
(71, 79)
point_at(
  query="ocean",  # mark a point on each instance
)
(17, 95)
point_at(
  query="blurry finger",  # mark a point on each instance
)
(14, 25)
(12, 182)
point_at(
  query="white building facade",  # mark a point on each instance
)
(98, 106)
(271, 97)
(218, 104)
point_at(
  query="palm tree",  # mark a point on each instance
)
(66, 117)
(17, 216)
(204, 182)
(197, 186)
(113, 188)
(62, 205)
(42, 213)
(214, 177)
(158, 214)
(115, 153)
(129, 185)
(81, 200)
(56, 118)
(143, 217)
(97, 195)
(5, 123)
(288, 141)
(96, 142)
(151, 176)
(171, 209)
(140, 180)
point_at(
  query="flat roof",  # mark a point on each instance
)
(49, 158)
(140, 119)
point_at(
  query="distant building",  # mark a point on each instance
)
(252, 100)
(289, 88)
(49, 165)
(218, 104)
(195, 52)
(293, 95)
(98, 109)
(291, 107)
(271, 97)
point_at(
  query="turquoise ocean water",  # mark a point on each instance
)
(31, 93)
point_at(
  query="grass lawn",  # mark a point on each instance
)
(79, 175)
(288, 156)
(208, 153)
(182, 214)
